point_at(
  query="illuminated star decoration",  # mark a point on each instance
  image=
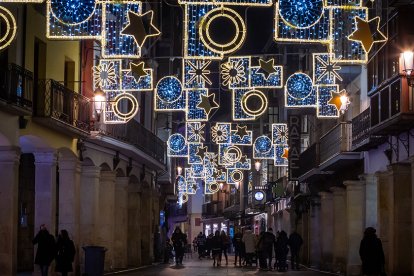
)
(340, 100)
(198, 71)
(285, 153)
(328, 68)
(233, 72)
(364, 33)
(138, 29)
(219, 133)
(208, 103)
(137, 70)
(267, 68)
(242, 131)
(243, 159)
(211, 158)
(217, 173)
(201, 151)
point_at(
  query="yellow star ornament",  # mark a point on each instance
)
(208, 103)
(285, 153)
(138, 70)
(365, 34)
(340, 100)
(138, 29)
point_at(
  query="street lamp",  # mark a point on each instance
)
(408, 67)
(179, 170)
(98, 102)
(257, 165)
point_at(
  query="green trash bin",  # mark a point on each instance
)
(94, 260)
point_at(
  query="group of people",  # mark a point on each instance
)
(249, 248)
(48, 249)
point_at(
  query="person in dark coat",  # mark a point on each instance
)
(46, 249)
(179, 240)
(371, 253)
(217, 247)
(65, 253)
(208, 244)
(281, 251)
(201, 245)
(295, 242)
(226, 243)
(238, 247)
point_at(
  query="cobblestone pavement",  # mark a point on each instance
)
(193, 267)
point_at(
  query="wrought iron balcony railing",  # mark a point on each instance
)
(309, 159)
(336, 141)
(136, 134)
(361, 125)
(65, 106)
(16, 87)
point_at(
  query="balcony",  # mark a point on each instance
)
(392, 108)
(62, 109)
(212, 209)
(362, 139)
(139, 138)
(336, 148)
(309, 161)
(16, 90)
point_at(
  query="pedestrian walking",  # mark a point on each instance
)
(249, 240)
(209, 241)
(268, 240)
(262, 251)
(65, 253)
(281, 251)
(217, 247)
(295, 242)
(201, 244)
(179, 242)
(46, 249)
(372, 253)
(238, 247)
(226, 244)
(195, 244)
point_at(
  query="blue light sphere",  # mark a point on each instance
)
(263, 144)
(299, 86)
(169, 89)
(301, 13)
(73, 12)
(176, 142)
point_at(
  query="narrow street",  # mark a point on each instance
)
(193, 267)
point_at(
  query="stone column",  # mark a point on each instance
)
(355, 219)
(45, 190)
(399, 178)
(315, 233)
(134, 225)
(9, 171)
(384, 229)
(69, 201)
(146, 231)
(339, 237)
(371, 200)
(121, 222)
(326, 230)
(107, 216)
(89, 208)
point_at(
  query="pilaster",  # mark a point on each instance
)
(339, 237)
(107, 216)
(45, 190)
(327, 230)
(315, 233)
(121, 222)
(355, 196)
(9, 171)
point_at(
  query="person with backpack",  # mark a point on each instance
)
(179, 242)
(201, 244)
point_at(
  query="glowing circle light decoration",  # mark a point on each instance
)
(254, 97)
(176, 142)
(299, 86)
(263, 144)
(134, 106)
(222, 47)
(73, 12)
(169, 89)
(236, 176)
(301, 14)
(10, 31)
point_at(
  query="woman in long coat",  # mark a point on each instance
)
(46, 249)
(372, 254)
